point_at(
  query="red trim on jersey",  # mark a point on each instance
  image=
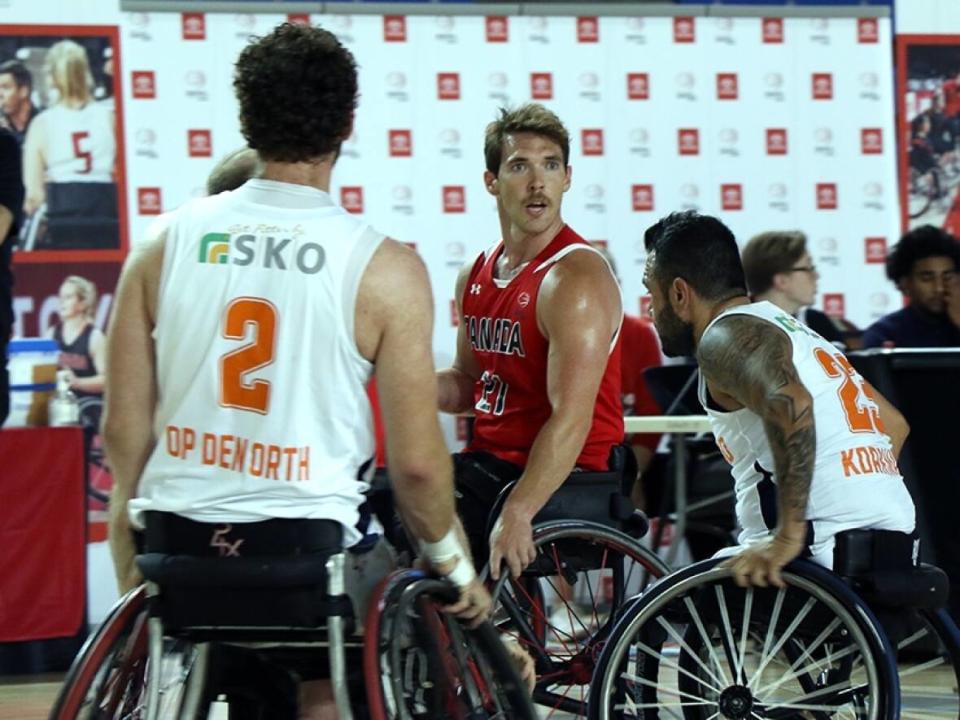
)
(641, 349)
(510, 402)
(381, 454)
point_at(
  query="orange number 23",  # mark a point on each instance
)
(236, 390)
(861, 417)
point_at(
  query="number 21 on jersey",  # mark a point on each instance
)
(248, 316)
(493, 397)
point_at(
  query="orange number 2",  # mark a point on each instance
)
(241, 315)
(861, 416)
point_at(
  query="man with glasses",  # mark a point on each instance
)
(923, 266)
(779, 269)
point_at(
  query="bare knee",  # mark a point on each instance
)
(316, 701)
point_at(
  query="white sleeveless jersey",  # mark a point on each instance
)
(81, 143)
(856, 482)
(262, 408)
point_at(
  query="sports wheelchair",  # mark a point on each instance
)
(564, 605)
(245, 630)
(869, 640)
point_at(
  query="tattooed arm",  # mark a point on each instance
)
(750, 361)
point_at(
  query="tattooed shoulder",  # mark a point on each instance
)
(747, 357)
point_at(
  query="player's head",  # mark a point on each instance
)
(16, 84)
(233, 170)
(297, 89)
(78, 297)
(693, 262)
(923, 265)
(778, 267)
(527, 153)
(69, 72)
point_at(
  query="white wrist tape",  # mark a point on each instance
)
(447, 549)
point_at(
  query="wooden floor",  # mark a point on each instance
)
(28, 698)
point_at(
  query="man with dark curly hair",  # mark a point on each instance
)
(244, 335)
(923, 265)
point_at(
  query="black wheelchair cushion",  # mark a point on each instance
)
(249, 592)
(923, 588)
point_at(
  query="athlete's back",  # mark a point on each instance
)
(263, 411)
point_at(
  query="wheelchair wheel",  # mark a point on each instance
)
(421, 663)
(564, 606)
(697, 646)
(107, 680)
(928, 666)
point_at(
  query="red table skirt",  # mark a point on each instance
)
(42, 533)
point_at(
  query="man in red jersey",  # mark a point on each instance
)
(538, 358)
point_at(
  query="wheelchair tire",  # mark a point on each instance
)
(696, 646)
(600, 567)
(928, 666)
(420, 662)
(110, 661)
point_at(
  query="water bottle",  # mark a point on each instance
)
(63, 408)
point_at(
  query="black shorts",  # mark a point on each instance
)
(479, 478)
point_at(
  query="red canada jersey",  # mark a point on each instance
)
(510, 400)
(641, 349)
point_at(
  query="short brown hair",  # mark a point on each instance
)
(770, 253)
(530, 118)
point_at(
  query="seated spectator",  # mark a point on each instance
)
(923, 265)
(780, 270)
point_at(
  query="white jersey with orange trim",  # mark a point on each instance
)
(262, 409)
(856, 481)
(81, 143)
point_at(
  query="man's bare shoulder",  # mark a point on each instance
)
(581, 271)
(395, 265)
(740, 348)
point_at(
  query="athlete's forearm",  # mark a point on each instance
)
(454, 390)
(553, 456)
(793, 441)
(424, 498)
(92, 384)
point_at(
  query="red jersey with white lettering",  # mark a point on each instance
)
(511, 403)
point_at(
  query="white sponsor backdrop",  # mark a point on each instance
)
(769, 123)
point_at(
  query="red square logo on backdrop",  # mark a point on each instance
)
(199, 143)
(588, 29)
(833, 305)
(497, 28)
(591, 141)
(193, 26)
(401, 143)
(638, 86)
(541, 86)
(727, 86)
(454, 316)
(298, 18)
(827, 196)
(454, 199)
(148, 201)
(144, 83)
(642, 198)
(394, 28)
(684, 29)
(448, 86)
(875, 249)
(351, 198)
(688, 141)
(868, 30)
(645, 304)
(776, 141)
(871, 141)
(731, 196)
(822, 84)
(772, 29)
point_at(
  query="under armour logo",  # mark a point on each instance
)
(225, 547)
(475, 289)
